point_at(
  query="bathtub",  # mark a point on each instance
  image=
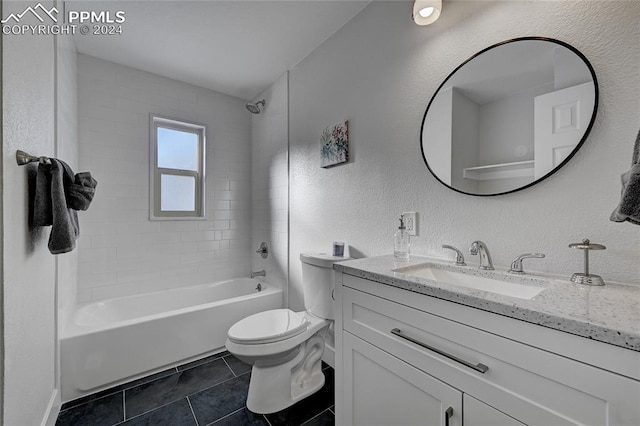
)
(113, 341)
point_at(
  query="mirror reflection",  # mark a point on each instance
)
(509, 116)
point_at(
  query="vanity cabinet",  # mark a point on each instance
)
(399, 364)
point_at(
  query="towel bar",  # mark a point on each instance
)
(23, 158)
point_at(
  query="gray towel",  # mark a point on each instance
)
(629, 207)
(50, 206)
(81, 191)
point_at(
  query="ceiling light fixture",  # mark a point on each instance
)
(426, 12)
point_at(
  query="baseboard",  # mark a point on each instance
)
(53, 409)
(329, 356)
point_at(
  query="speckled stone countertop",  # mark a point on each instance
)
(609, 314)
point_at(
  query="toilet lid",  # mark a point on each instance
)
(268, 326)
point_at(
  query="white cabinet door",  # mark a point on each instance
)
(477, 413)
(381, 390)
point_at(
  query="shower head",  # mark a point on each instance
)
(255, 108)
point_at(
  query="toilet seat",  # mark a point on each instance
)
(268, 327)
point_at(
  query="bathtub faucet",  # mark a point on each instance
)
(262, 273)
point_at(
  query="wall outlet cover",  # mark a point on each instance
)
(411, 222)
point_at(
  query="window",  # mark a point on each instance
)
(177, 169)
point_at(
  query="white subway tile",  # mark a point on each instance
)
(160, 238)
(220, 224)
(112, 291)
(221, 205)
(222, 215)
(84, 295)
(208, 245)
(98, 280)
(186, 226)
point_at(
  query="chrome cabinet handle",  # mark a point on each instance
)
(477, 367)
(447, 415)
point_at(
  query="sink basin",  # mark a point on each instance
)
(477, 280)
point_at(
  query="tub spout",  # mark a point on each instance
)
(262, 273)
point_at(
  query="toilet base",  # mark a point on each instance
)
(275, 387)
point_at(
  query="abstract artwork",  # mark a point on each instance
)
(334, 145)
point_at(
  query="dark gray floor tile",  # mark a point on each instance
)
(242, 417)
(105, 411)
(201, 361)
(148, 396)
(326, 418)
(221, 400)
(238, 367)
(175, 414)
(307, 408)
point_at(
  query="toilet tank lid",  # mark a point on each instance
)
(323, 260)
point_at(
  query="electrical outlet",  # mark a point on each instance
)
(411, 222)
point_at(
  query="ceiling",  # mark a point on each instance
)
(235, 47)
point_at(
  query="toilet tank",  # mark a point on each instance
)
(318, 283)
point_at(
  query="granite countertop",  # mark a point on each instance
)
(609, 313)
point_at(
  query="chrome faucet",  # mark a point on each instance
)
(262, 273)
(478, 247)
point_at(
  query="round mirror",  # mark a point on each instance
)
(509, 116)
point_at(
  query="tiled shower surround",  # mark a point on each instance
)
(121, 252)
(211, 391)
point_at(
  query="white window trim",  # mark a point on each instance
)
(155, 172)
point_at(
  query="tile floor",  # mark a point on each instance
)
(210, 391)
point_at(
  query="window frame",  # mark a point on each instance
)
(155, 172)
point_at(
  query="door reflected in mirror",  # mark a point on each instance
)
(509, 116)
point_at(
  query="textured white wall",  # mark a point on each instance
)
(121, 251)
(29, 328)
(269, 177)
(379, 72)
(67, 150)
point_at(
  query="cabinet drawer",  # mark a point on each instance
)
(565, 391)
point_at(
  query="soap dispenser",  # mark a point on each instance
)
(401, 242)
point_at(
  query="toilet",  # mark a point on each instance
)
(285, 347)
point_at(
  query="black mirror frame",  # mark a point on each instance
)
(566, 160)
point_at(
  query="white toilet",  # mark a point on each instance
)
(286, 347)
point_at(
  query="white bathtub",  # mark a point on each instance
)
(116, 340)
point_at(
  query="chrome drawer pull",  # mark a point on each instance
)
(478, 367)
